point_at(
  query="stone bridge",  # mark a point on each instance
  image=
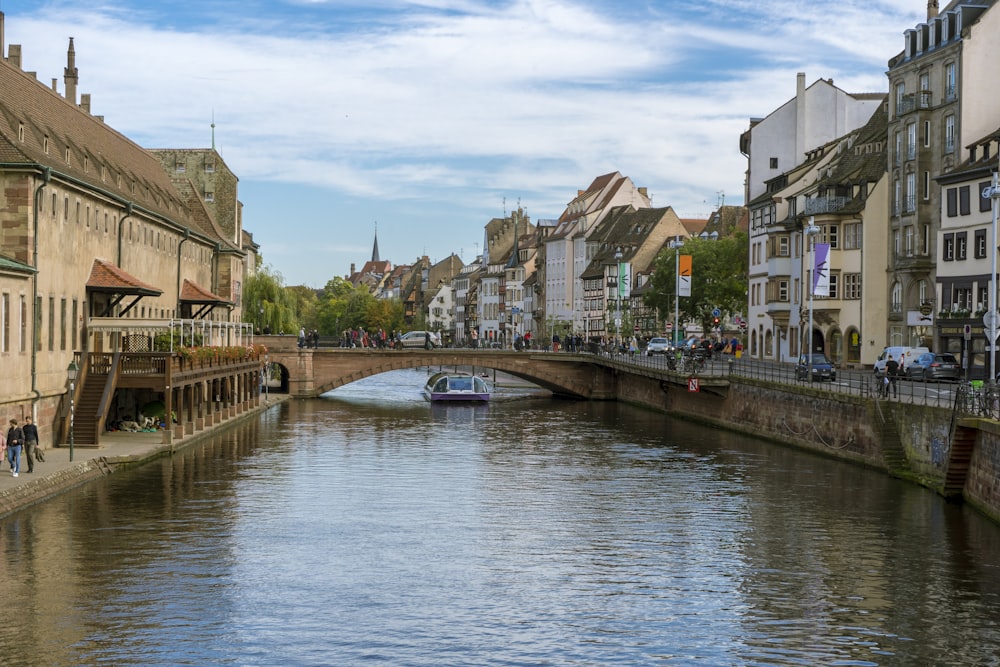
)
(311, 372)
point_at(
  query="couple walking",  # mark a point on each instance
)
(22, 438)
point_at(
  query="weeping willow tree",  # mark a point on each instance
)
(266, 302)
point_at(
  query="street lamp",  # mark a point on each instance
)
(677, 244)
(810, 231)
(618, 295)
(72, 372)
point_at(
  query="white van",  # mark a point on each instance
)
(901, 353)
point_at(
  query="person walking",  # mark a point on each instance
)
(15, 441)
(891, 371)
(30, 443)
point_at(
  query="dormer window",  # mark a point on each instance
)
(209, 166)
(209, 195)
(68, 155)
(179, 166)
(45, 144)
(20, 132)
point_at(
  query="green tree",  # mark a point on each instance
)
(266, 302)
(718, 279)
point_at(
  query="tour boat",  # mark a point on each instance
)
(456, 387)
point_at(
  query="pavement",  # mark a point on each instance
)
(58, 473)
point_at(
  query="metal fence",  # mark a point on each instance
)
(966, 398)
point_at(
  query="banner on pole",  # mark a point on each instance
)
(624, 280)
(821, 270)
(684, 275)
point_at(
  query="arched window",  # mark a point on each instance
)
(896, 298)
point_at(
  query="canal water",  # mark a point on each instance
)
(370, 528)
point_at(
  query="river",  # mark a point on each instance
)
(370, 528)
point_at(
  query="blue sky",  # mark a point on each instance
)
(431, 117)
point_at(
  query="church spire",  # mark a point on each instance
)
(375, 257)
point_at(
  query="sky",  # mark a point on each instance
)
(425, 119)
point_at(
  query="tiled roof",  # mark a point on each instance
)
(192, 293)
(106, 277)
(52, 127)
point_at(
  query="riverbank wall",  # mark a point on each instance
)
(118, 451)
(908, 441)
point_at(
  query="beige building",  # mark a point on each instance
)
(101, 247)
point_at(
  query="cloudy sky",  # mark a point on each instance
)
(428, 118)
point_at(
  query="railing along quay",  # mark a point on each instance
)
(981, 399)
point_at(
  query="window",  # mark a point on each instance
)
(831, 235)
(774, 163)
(782, 290)
(783, 246)
(179, 166)
(950, 82)
(897, 197)
(5, 317)
(898, 153)
(927, 185)
(949, 134)
(911, 141)
(896, 298)
(209, 196)
(834, 285)
(963, 200)
(980, 242)
(925, 241)
(900, 96)
(911, 193)
(952, 196)
(949, 247)
(927, 134)
(62, 324)
(908, 231)
(961, 244)
(962, 298)
(852, 235)
(52, 324)
(852, 286)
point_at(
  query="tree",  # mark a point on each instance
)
(718, 279)
(266, 302)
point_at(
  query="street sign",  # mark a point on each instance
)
(990, 319)
(670, 326)
(693, 385)
(967, 332)
(716, 312)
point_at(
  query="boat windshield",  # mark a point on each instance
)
(460, 384)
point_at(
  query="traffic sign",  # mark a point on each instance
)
(670, 326)
(716, 312)
(693, 385)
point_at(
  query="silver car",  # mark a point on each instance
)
(424, 339)
(657, 346)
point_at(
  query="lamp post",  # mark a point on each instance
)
(810, 231)
(994, 193)
(72, 372)
(677, 244)
(618, 295)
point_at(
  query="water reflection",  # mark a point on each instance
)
(369, 526)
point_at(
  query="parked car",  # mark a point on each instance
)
(822, 368)
(418, 339)
(657, 346)
(902, 354)
(931, 366)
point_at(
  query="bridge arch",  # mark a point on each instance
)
(312, 372)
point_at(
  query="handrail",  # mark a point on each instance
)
(109, 390)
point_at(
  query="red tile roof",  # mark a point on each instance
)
(106, 277)
(192, 293)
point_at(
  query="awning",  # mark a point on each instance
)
(107, 278)
(195, 295)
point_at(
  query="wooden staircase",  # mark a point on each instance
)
(86, 422)
(963, 444)
(893, 453)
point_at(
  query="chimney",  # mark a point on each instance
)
(932, 9)
(2, 56)
(85, 102)
(14, 55)
(70, 74)
(55, 85)
(644, 192)
(352, 269)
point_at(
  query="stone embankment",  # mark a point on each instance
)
(118, 450)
